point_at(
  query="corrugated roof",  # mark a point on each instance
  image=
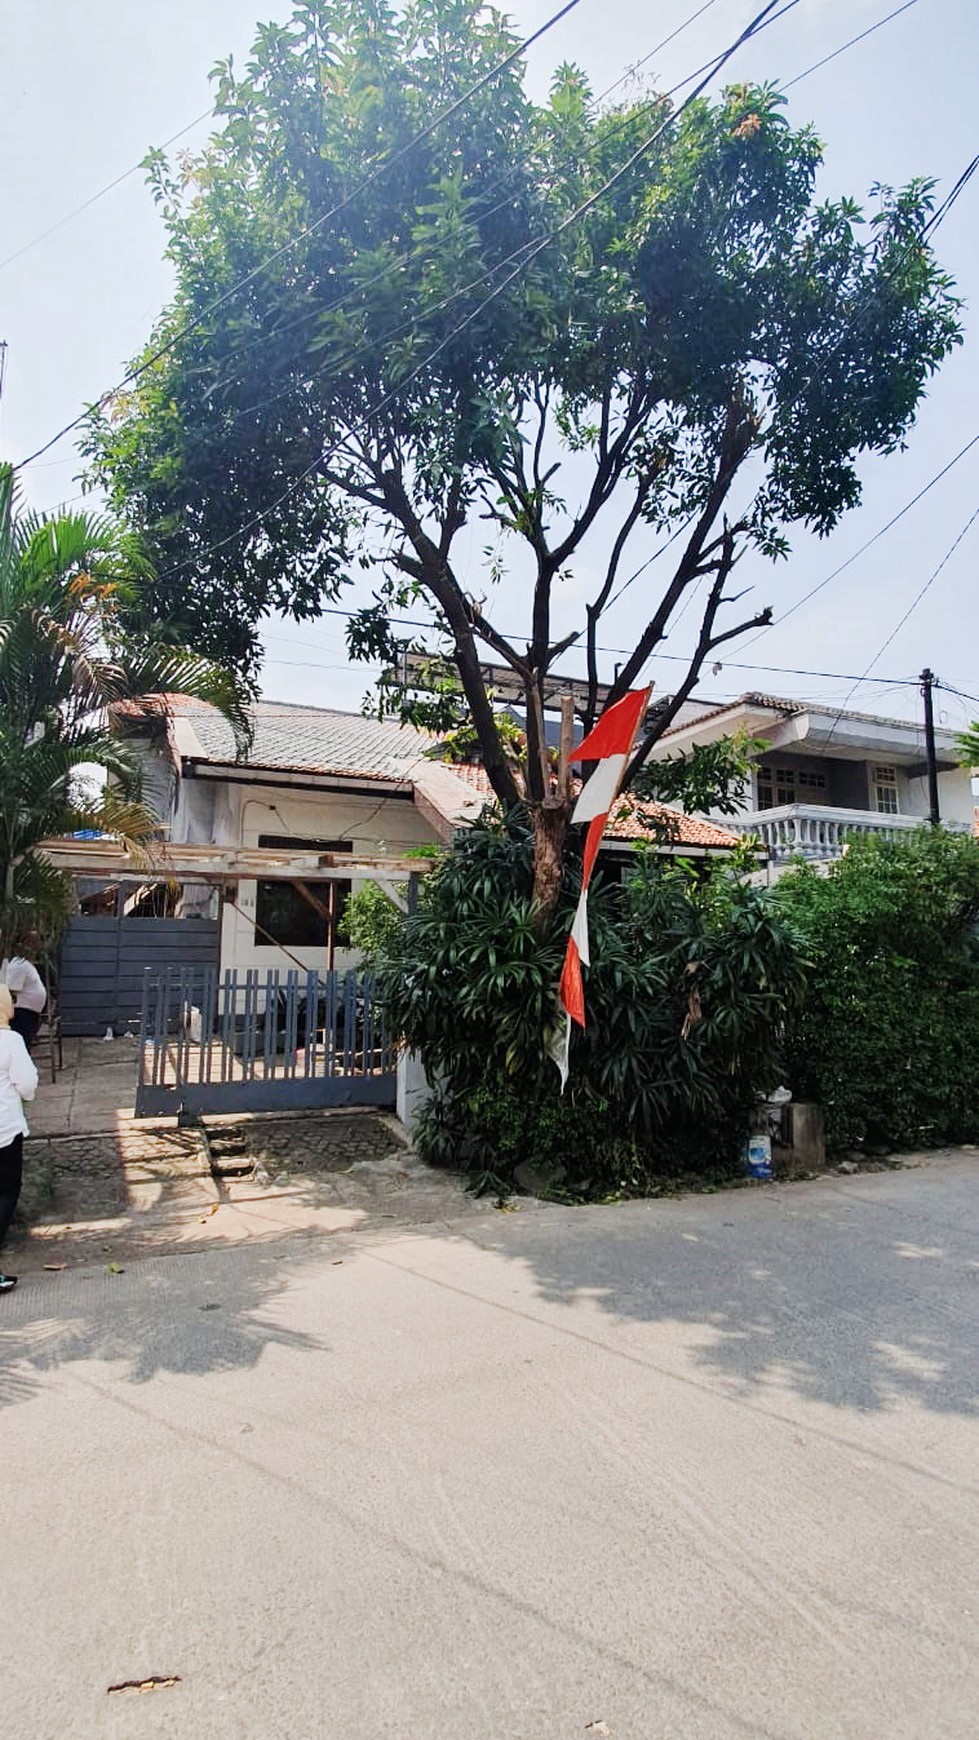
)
(311, 740)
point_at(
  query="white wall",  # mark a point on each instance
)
(955, 799)
(243, 812)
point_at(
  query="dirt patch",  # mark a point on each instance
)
(303, 1145)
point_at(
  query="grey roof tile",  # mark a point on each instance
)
(312, 739)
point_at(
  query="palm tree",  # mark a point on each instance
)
(68, 585)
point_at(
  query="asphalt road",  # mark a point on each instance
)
(688, 1469)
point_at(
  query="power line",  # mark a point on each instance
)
(864, 547)
(925, 588)
(416, 253)
(673, 658)
(108, 188)
(911, 607)
(762, 21)
(382, 168)
(631, 71)
(963, 696)
(758, 24)
(851, 44)
(767, 16)
(943, 210)
(523, 257)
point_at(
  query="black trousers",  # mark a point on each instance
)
(11, 1178)
(25, 1022)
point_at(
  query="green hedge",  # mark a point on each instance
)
(887, 1036)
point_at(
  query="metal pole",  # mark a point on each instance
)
(934, 814)
(331, 925)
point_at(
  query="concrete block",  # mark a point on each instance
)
(807, 1135)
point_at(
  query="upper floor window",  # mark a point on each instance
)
(885, 790)
(788, 785)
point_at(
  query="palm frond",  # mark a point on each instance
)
(68, 653)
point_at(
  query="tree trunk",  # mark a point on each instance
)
(549, 821)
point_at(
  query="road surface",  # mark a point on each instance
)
(694, 1470)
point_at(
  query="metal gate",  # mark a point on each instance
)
(103, 961)
(260, 1042)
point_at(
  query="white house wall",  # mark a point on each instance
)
(955, 799)
(242, 813)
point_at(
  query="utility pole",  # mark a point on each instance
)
(927, 683)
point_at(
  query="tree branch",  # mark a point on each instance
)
(706, 644)
(437, 578)
(737, 438)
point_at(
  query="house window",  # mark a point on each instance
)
(787, 785)
(285, 914)
(885, 790)
(809, 782)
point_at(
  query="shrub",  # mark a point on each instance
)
(370, 922)
(886, 1038)
(686, 993)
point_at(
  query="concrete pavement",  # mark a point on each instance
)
(681, 1470)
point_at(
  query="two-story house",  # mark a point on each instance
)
(826, 774)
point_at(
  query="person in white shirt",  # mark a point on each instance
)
(27, 986)
(18, 1082)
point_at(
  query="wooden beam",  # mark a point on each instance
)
(179, 862)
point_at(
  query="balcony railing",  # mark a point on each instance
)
(815, 830)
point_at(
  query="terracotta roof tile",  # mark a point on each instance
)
(625, 823)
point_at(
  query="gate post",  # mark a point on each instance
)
(413, 1088)
(144, 1025)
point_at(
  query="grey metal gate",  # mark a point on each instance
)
(260, 1042)
(103, 960)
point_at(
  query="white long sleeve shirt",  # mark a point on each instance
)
(24, 983)
(18, 1082)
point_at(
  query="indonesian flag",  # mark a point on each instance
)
(610, 745)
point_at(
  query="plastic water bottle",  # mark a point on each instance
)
(757, 1158)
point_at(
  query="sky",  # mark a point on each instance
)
(88, 86)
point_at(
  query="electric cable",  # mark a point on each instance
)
(631, 70)
(523, 256)
(851, 44)
(108, 188)
(675, 658)
(911, 608)
(813, 590)
(418, 252)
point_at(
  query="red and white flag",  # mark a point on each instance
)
(610, 745)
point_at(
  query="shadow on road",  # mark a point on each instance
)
(174, 1316)
(859, 1294)
(853, 1293)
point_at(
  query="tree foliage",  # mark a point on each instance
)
(885, 1039)
(968, 746)
(67, 585)
(366, 357)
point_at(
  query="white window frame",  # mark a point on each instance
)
(884, 788)
(799, 782)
